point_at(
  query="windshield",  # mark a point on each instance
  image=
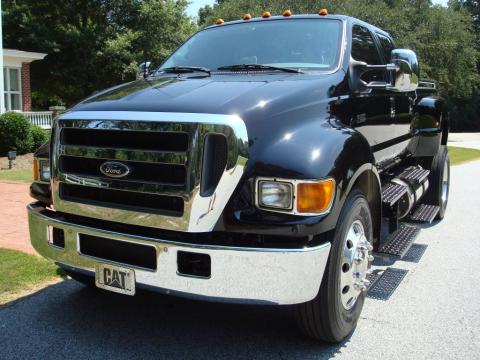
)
(300, 43)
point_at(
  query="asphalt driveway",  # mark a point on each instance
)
(434, 314)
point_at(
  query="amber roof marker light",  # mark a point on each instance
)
(323, 12)
(287, 12)
(247, 17)
(266, 14)
(219, 21)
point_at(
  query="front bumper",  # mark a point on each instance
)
(239, 275)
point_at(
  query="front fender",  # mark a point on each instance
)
(313, 151)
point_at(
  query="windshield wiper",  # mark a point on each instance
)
(253, 67)
(185, 69)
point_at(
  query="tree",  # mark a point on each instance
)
(472, 6)
(466, 111)
(91, 44)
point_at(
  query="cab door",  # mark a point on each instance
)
(402, 103)
(372, 108)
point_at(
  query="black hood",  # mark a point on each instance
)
(243, 95)
(274, 107)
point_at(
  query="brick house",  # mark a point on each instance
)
(16, 80)
(16, 77)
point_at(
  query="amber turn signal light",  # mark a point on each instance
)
(315, 197)
(323, 12)
(247, 17)
(35, 170)
(219, 21)
(266, 14)
(287, 12)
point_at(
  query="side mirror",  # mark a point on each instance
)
(403, 67)
(407, 74)
(359, 68)
(143, 70)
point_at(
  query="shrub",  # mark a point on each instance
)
(15, 133)
(39, 136)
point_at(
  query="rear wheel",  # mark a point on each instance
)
(333, 314)
(439, 187)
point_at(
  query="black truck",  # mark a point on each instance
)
(266, 161)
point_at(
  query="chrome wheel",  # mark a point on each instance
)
(445, 182)
(356, 261)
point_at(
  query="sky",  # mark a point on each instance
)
(197, 4)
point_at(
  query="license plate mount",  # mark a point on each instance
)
(115, 278)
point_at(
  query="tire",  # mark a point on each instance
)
(326, 317)
(81, 278)
(439, 187)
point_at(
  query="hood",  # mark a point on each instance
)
(241, 94)
(283, 113)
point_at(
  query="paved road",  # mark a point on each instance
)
(467, 140)
(434, 314)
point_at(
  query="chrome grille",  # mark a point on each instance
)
(171, 158)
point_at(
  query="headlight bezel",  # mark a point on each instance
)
(293, 210)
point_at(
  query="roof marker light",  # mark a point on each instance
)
(266, 14)
(287, 12)
(323, 12)
(247, 17)
(219, 21)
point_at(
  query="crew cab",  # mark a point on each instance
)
(266, 161)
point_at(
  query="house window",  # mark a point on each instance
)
(13, 88)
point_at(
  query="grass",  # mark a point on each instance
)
(462, 155)
(17, 175)
(20, 272)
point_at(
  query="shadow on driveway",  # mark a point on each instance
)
(68, 320)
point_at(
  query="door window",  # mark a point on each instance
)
(364, 49)
(386, 45)
(363, 46)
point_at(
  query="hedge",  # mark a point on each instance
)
(16, 133)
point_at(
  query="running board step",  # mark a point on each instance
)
(392, 192)
(385, 283)
(414, 174)
(400, 241)
(425, 213)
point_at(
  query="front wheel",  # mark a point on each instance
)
(333, 314)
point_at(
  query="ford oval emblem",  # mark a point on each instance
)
(114, 169)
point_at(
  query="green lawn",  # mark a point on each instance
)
(20, 272)
(17, 175)
(461, 155)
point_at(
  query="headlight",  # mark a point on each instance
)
(275, 195)
(41, 170)
(298, 197)
(45, 170)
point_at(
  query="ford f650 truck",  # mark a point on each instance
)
(266, 161)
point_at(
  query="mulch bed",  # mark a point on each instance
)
(23, 162)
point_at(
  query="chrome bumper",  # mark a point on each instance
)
(240, 275)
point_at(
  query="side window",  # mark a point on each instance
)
(363, 46)
(387, 46)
